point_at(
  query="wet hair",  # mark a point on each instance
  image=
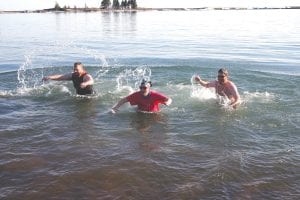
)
(144, 82)
(223, 71)
(77, 63)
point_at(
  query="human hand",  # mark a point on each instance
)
(113, 110)
(168, 102)
(83, 85)
(197, 78)
(46, 78)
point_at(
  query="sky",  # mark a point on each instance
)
(10, 5)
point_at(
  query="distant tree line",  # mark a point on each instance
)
(125, 4)
(105, 4)
(58, 8)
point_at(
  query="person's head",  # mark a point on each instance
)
(78, 68)
(145, 87)
(222, 75)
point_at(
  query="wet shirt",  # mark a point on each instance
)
(77, 80)
(147, 103)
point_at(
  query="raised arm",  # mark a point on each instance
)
(58, 77)
(199, 80)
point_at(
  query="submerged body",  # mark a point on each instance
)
(78, 79)
(223, 87)
(146, 100)
(149, 103)
(82, 81)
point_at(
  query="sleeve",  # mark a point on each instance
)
(160, 98)
(132, 98)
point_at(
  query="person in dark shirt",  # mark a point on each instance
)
(82, 81)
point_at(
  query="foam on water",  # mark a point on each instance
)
(6, 93)
(263, 97)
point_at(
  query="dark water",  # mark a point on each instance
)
(56, 145)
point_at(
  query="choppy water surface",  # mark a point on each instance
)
(57, 145)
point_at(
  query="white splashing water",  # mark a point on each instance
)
(99, 57)
(263, 97)
(22, 71)
(131, 78)
(201, 93)
(28, 78)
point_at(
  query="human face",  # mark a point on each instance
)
(78, 69)
(145, 89)
(222, 78)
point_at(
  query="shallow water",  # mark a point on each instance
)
(57, 145)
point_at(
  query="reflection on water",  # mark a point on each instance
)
(152, 128)
(85, 108)
(58, 145)
(116, 24)
(147, 122)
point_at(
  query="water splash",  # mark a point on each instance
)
(131, 78)
(199, 92)
(99, 57)
(104, 69)
(6, 93)
(263, 97)
(28, 78)
(22, 72)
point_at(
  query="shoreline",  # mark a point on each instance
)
(74, 10)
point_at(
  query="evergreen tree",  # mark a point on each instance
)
(116, 4)
(57, 6)
(133, 4)
(126, 4)
(129, 4)
(105, 4)
(123, 4)
(86, 8)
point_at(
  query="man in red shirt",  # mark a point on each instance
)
(145, 99)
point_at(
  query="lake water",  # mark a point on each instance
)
(57, 145)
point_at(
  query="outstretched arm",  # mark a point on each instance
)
(199, 80)
(58, 77)
(118, 105)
